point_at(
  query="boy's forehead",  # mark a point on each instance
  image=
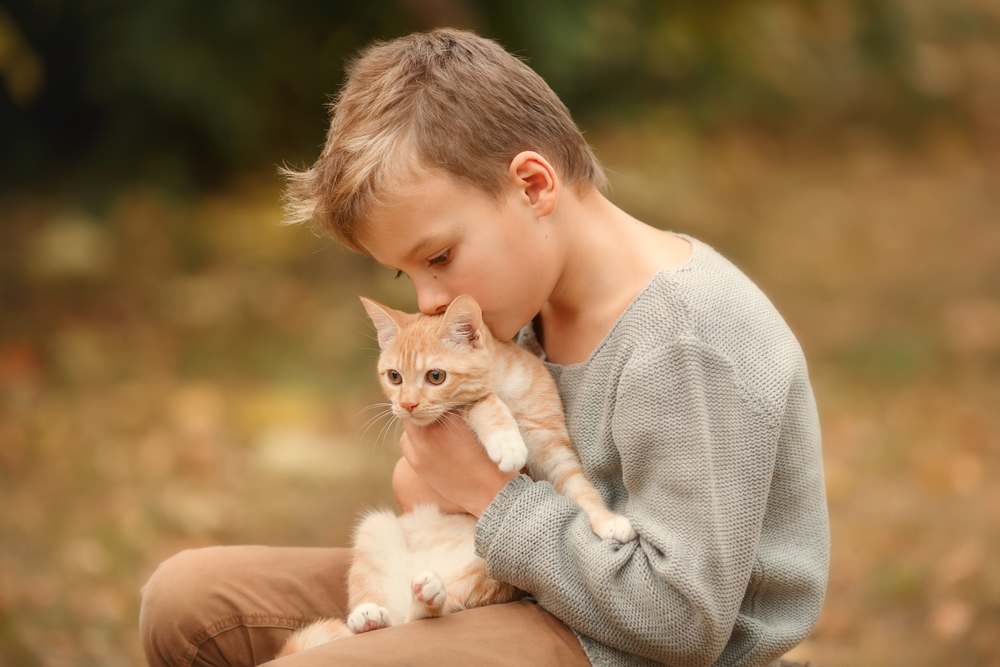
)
(402, 235)
(417, 215)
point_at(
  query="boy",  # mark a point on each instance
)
(686, 395)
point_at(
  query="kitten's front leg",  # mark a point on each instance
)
(554, 459)
(493, 422)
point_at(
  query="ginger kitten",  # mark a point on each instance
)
(423, 563)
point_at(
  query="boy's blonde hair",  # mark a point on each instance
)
(445, 100)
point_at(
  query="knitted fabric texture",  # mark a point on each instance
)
(695, 418)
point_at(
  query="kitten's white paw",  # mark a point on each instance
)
(429, 589)
(507, 450)
(367, 617)
(614, 528)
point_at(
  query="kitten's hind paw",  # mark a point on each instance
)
(367, 617)
(428, 589)
(614, 527)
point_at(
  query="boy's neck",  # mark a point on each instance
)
(608, 258)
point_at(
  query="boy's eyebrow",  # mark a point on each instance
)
(423, 245)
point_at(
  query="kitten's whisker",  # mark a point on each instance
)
(391, 431)
(448, 419)
(378, 436)
(367, 335)
(371, 422)
(371, 419)
(362, 438)
(395, 437)
(383, 431)
(372, 407)
(379, 443)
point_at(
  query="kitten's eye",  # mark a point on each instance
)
(436, 376)
(394, 376)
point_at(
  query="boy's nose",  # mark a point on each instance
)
(432, 302)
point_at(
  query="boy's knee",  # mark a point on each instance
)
(172, 601)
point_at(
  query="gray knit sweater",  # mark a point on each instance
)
(694, 418)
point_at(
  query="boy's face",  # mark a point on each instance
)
(452, 239)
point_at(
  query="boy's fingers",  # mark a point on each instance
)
(412, 434)
(406, 446)
(413, 442)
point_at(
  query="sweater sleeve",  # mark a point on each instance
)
(697, 453)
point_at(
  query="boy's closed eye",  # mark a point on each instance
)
(440, 260)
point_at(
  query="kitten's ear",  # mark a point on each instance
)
(463, 321)
(383, 320)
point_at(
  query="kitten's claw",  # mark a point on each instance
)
(615, 527)
(507, 450)
(429, 589)
(367, 617)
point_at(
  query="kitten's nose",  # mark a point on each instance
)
(409, 406)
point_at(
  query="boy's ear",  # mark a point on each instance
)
(533, 176)
(384, 321)
(463, 322)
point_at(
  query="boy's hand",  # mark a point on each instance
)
(411, 490)
(450, 459)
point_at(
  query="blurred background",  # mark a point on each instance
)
(177, 369)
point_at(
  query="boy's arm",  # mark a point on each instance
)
(697, 456)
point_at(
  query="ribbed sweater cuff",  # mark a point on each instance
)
(496, 512)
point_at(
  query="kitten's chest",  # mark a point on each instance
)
(514, 387)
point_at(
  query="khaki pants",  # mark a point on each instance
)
(236, 606)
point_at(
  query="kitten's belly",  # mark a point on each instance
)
(441, 543)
